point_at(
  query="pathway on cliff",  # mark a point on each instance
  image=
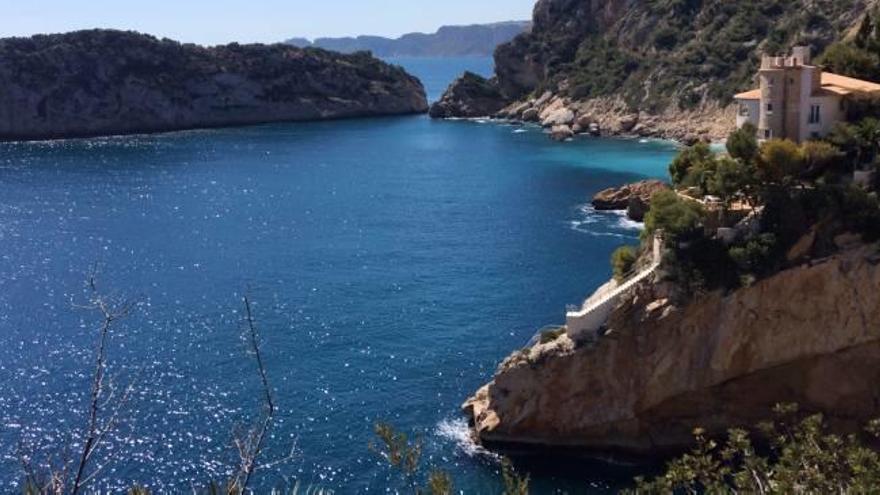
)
(595, 311)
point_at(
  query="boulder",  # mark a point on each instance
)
(561, 133)
(530, 115)
(560, 116)
(618, 199)
(585, 121)
(544, 99)
(517, 111)
(554, 105)
(595, 129)
(470, 95)
(628, 122)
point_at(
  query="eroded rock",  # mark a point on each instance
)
(619, 198)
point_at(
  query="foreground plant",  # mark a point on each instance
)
(405, 456)
(802, 458)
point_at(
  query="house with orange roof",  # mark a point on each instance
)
(797, 100)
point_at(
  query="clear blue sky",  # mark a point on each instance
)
(222, 21)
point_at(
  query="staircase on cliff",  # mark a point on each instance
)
(584, 324)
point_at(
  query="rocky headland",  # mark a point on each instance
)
(640, 68)
(807, 335)
(634, 198)
(104, 82)
(469, 96)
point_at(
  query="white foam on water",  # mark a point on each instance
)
(626, 223)
(591, 220)
(520, 131)
(457, 431)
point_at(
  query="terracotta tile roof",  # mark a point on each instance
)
(832, 85)
(850, 84)
(754, 94)
(831, 91)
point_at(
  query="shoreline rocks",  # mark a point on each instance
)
(634, 198)
(107, 82)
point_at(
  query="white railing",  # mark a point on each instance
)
(585, 323)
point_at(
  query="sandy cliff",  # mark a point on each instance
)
(809, 335)
(102, 82)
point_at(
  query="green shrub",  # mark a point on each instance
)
(803, 458)
(742, 143)
(756, 257)
(780, 160)
(674, 215)
(551, 335)
(689, 159)
(849, 60)
(622, 261)
(822, 158)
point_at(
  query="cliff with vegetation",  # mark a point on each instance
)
(807, 335)
(449, 41)
(670, 67)
(104, 82)
(760, 287)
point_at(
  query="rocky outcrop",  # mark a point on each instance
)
(104, 82)
(636, 196)
(469, 96)
(809, 335)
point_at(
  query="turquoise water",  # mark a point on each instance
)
(394, 262)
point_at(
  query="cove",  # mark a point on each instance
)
(394, 262)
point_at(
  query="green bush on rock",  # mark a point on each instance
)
(622, 261)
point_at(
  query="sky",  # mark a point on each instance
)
(223, 21)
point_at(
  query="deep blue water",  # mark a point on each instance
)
(393, 262)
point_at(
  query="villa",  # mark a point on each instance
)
(797, 100)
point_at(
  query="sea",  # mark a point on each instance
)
(391, 263)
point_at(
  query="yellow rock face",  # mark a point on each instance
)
(809, 335)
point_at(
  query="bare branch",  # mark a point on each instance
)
(250, 445)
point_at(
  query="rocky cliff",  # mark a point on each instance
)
(809, 335)
(110, 82)
(673, 65)
(449, 41)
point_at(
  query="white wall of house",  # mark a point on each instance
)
(830, 113)
(748, 112)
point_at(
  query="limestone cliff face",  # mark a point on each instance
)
(102, 82)
(809, 335)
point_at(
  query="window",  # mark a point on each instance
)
(770, 108)
(815, 114)
(744, 110)
(768, 134)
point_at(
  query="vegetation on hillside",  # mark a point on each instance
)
(659, 53)
(858, 57)
(774, 195)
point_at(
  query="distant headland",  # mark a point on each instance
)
(105, 82)
(448, 41)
